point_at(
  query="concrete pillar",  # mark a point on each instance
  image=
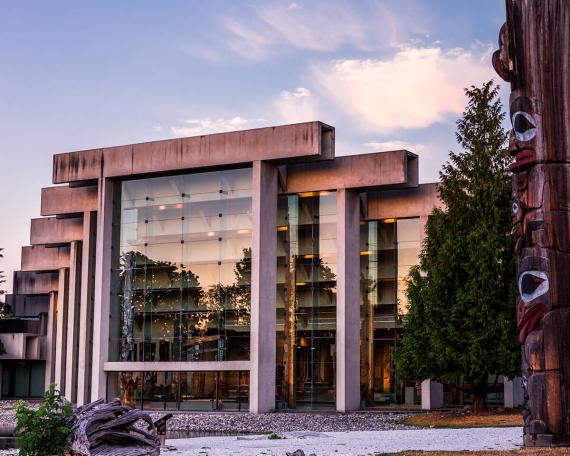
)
(61, 331)
(513, 392)
(348, 301)
(85, 342)
(51, 334)
(103, 289)
(73, 310)
(263, 288)
(432, 395)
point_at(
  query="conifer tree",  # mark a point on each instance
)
(460, 327)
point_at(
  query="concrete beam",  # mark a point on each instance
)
(41, 258)
(310, 140)
(401, 203)
(35, 282)
(263, 288)
(54, 231)
(348, 301)
(68, 200)
(365, 171)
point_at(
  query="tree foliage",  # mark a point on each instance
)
(44, 431)
(460, 325)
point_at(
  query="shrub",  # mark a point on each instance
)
(44, 431)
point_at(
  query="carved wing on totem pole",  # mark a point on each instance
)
(534, 56)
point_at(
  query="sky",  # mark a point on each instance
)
(386, 74)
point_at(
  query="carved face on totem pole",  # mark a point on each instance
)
(533, 55)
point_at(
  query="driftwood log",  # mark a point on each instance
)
(534, 56)
(113, 429)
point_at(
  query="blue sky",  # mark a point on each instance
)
(78, 75)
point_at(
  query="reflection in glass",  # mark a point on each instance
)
(388, 249)
(208, 390)
(185, 268)
(306, 300)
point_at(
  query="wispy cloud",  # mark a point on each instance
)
(414, 88)
(294, 106)
(324, 26)
(395, 144)
(205, 126)
(247, 42)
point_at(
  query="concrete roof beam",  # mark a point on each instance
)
(304, 141)
(363, 172)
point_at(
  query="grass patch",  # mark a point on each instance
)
(273, 437)
(465, 419)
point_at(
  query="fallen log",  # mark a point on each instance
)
(112, 429)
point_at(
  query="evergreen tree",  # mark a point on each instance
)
(461, 324)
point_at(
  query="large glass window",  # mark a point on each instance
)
(388, 249)
(209, 390)
(306, 300)
(185, 268)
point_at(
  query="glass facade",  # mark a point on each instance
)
(306, 300)
(184, 268)
(212, 390)
(388, 249)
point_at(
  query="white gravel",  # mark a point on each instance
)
(352, 443)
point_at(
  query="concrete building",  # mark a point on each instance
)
(249, 270)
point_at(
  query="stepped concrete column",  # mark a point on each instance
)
(73, 321)
(348, 301)
(263, 287)
(50, 340)
(103, 288)
(62, 303)
(85, 342)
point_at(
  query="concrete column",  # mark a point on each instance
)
(103, 289)
(432, 395)
(73, 321)
(263, 287)
(348, 301)
(513, 392)
(61, 331)
(51, 334)
(86, 309)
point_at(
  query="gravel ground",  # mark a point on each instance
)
(284, 422)
(351, 443)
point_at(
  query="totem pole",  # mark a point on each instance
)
(534, 56)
